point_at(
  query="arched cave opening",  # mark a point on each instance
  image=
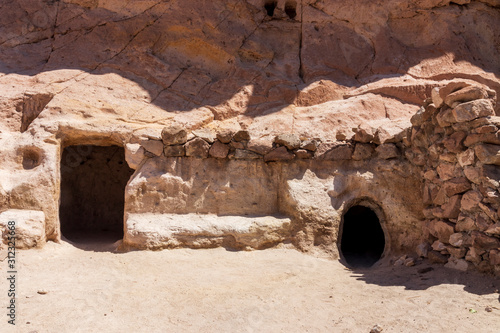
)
(362, 240)
(270, 6)
(93, 180)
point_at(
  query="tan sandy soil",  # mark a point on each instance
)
(275, 290)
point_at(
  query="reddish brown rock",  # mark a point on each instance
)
(362, 151)
(260, 146)
(472, 139)
(242, 154)
(364, 133)
(304, 154)
(445, 117)
(488, 153)
(456, 186)
(451, 209)
(242, 135)
(466, 158)
(440, 94)
(484, 242)
(494, 229)
(289, 140)
(279, 154)
(339, 153)
(471, 200)
(494, 257)
(437, 258)
(225, 135)
(440, 230)
(311, 145)
(387, 151)
(174, 135)
(473, 110)
(197, 148)
(174, 151)
(465, 95)
(153, 146)
(219, 150)
(454, 142)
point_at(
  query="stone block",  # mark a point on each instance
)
(488, 153)
(473, 110)
(465, 95)
(197, 148)
(174, 151)
(362, 151)
(174, 135)
(279, 154)
(29, 227)
(219, 150)
(289, 140)
(134, 155)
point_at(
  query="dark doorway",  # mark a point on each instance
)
(362, 238)
(93, 181)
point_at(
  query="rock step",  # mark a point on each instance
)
(159, 231)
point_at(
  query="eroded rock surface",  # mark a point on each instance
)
(298, 110)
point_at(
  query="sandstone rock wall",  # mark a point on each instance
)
(305, 106)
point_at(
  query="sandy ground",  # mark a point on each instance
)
(275, 290)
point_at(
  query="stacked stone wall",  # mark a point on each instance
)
(455, 138)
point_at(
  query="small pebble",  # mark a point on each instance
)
(376, 329)
(409, 262)
(42, 291)
(488, 309)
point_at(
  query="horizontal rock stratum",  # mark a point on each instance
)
(290, 111)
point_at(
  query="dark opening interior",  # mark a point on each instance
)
(93, 181)
(270, 6)
(363, 242)
(291, 9)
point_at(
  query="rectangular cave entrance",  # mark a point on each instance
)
(93, 180)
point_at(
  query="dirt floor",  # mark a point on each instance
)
(63, 288)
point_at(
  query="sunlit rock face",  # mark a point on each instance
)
(342, 77)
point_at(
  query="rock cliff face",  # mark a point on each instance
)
(288, 111)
